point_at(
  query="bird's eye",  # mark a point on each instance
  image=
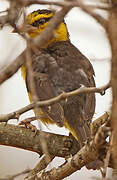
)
(42, 21)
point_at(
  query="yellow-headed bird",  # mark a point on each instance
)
(61, 67)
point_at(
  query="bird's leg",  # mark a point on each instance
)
(27, 123)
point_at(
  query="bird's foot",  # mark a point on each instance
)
(68, 143)
(66, 147)
(27, 123)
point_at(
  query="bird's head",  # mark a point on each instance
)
(40, 19)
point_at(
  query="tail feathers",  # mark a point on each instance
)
(81, 133)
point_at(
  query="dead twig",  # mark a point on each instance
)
(63, 96)
(12, 68)
(39, 167)
(65, 4)
(107, 158)
(103, 22)
(12, 177)
(48, 32)
(45, 36)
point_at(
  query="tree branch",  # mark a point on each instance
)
(47, 34)
(58, 145)
(63, 96)
(43, 163)
(12, 68)
(21, 137)
(96, 124)
(12, 177)
(65, 3)
(103, 22)
(26, 135)
(112, 35)
(86, 155)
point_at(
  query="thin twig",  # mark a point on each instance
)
(39, 167)
(12, 68)
(87, 8)
(65, 4)
(107, 158)
(103, 22)
(45, 36)
(12, 177)
(34, 97)
(48, 32)
(63, 96)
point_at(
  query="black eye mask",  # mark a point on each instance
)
(40, 22)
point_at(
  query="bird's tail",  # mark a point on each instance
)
(81, 132)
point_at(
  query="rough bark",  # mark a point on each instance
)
(20, 137)
(112, 34)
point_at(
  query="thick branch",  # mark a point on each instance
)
(63, 96)
(11, 131)
(58, 145)
(86, 155)
(20, 137)
(112, 34)
(96, 124)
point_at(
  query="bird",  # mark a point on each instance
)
(61, 67)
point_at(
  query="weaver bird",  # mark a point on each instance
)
(61, 67)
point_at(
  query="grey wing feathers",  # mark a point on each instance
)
(75, 70)
(45, 89)
(61, 67)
